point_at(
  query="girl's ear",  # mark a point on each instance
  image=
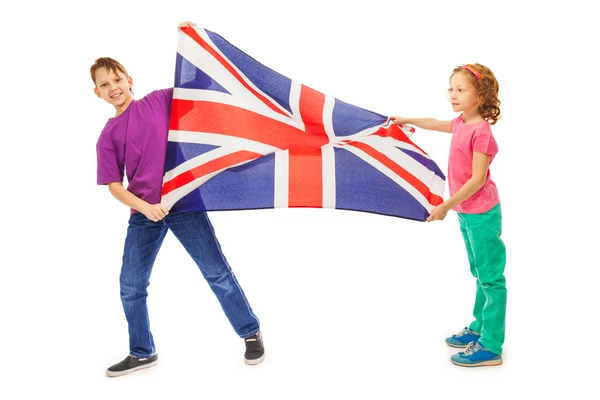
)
(480, 100)
(130, 81)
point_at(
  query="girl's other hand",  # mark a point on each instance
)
(186, 24)
(438, 213)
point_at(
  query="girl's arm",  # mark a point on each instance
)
(154, 212)
(430, 124)
(481, 163)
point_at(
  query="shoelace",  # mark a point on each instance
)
(472, 348)
(463, 332)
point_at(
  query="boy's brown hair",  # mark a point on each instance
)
(110, 65)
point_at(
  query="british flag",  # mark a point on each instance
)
(243, 136)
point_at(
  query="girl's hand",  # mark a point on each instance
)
(399, 120)
(186, 24)
(438, 213)
(155, 212)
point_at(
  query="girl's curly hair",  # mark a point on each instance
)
(487, 91)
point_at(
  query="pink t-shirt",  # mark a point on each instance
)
(135, 143)
(467, 139)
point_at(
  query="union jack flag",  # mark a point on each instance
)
(243, 136)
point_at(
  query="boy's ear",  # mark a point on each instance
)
(97, 92)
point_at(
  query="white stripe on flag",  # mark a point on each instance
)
(200, 160)
(408, 163)
(295, 90)
(249, 103)
(328, 118)
(282, 179)
(174, 196)
(329, 193)
(216, 139)
(240, 96)
(204, 35)
(359, 136)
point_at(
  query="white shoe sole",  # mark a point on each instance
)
(490, 363)
(457, 346)
(113, 374)
(254, 362)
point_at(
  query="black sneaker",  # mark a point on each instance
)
(131, 364)
(255, 349)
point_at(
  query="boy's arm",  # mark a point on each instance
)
(429, 124)
(154, 212)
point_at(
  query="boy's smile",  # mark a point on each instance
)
(114, 88)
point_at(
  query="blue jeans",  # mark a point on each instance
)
(196, 234)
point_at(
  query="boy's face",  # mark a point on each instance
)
(113, 88)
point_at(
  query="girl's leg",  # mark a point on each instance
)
(479, 296)
(484, 231)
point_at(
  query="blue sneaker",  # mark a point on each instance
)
(476, 355)
(463, 338)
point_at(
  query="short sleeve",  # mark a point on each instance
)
(168, 93)
(484, 142)
(161, 100)
(110, 169)
(455, 122)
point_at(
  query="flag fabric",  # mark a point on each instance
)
(243, 136)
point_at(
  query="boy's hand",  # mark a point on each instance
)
(186, 24)
(155, 212)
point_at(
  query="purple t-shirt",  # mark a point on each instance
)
(135, 142)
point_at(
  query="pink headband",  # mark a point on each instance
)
(477, 74)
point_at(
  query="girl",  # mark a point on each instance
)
(474, 196)
(134, 142)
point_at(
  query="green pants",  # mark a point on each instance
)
(487, 257)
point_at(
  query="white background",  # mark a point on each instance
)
(352, 305)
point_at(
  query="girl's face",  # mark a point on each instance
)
(114, 88)
(462, 93)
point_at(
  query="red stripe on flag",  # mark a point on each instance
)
(395, 132)
(306, 164)
(305, 177)
(204, 169)
(432, 198)
(311, 110)
(209, 117)
(194, 35)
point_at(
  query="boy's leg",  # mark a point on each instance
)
(479, 296)
(484, 231)
(196, 234)
(144, 238)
